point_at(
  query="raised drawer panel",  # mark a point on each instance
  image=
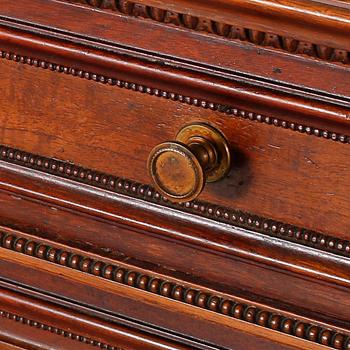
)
(277, 173)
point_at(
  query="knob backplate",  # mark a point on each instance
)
(217, 139)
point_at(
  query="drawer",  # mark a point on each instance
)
(170, 179)
(277, 173)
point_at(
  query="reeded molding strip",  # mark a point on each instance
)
(207, 210)
(194, 296)
(228, 110)
(58, 331)
(231, 32)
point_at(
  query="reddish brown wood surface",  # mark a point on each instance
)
(197, 49)
(279, 174)
(159, 306)
(299, 108)
(148, 308)
(296, 18)
(7, 346)
(92, 257)
(225, 259)
(62, 328)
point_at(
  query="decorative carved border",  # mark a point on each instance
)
(228, 110)
(194, 296)
(207, 210)
(58, 331)
(231, 32)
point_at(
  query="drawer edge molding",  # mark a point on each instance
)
(78, 324)
(60, 257)
(18, 318)
(207, 210)
(118, 35)
(260, 38)
(315, 118)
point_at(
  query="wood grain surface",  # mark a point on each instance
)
(296, 18)
(227, 259)
(158, 306)
(276, 58)
(7, 346)
(91, 256)
(276, 173)
(63, 328)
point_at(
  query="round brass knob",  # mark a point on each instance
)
(180, 168)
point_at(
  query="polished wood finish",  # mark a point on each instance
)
(296, 18)
(117, 34)
(23, 313)
(123, 287)
(203, 250)
(7, 346)
(266, 155)
(92, 255)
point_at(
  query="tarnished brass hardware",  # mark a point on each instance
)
(180, 168)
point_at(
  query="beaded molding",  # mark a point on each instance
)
(55, 330)
(231, 32)
(170, 290)
(228, 110)
(210, 211)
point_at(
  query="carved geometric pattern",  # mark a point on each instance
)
(168, 289)
(203, 209)
(55, 330)
(231, 32)
(228, 110)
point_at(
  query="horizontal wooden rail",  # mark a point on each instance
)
(117, 225)
(213, 89)
(295, 18)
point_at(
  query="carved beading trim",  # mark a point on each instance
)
(230, 32)
(168, 289)
(207, 210)
(228, 110)
(57, 331)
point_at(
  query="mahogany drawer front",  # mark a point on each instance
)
(93, 94)
(276, 173)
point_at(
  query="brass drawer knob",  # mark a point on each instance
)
(180, 168)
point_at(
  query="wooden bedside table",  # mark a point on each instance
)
(174, 174)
